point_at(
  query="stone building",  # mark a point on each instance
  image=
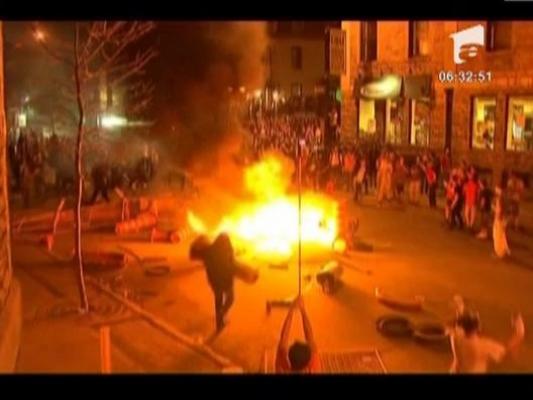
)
(296, 56)
(10, 298)
(404, 87)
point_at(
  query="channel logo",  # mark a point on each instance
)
(467, 43)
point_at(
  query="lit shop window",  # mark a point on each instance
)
(419, 132)
(367, 118)
(393, 132)
(483, 124)
(520, 124)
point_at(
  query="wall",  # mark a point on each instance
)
(512, 75)
(10, 301)
(313, 64)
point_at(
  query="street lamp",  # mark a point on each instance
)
(38, 34)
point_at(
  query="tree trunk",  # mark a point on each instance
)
(84, 303)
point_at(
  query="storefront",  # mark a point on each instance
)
(380, 109)
(519, 135)
(483, 122)
(417, 90)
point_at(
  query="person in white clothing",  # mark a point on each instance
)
(473, 352)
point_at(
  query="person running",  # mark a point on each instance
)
(300, 357)
(471, 193)
(499, 235)
(473, 353)
(219, 261)
(485, 208)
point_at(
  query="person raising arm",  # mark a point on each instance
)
(300, 357)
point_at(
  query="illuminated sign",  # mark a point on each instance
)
(389, 86)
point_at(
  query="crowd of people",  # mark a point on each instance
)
(282, 134)
(471, 202)
(470, 198)
(45, 166)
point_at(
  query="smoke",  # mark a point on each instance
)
(199, 63)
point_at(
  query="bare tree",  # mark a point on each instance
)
(98, 50)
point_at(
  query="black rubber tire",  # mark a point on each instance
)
(431, 333)
(395, 326)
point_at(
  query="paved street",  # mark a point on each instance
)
(415, 255)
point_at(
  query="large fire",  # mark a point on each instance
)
(268, 224)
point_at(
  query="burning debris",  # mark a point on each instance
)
(267, 222)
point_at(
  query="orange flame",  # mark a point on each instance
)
(269, 224)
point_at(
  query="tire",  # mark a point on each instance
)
(430, 333)
(395, 326)
(160, 270)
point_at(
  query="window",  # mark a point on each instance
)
(296, 57)
(369, 41)
(367, 117)
(418, 38)
(520, 124)
(393, 124)
(483, 122)
(498, 35)
(419, 133)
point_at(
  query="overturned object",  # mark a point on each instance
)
(164, 236)
(395, 326)
(431, 333)
(329, 276)
(415, 303)
(145, 219)
(246, 273)
(104, 260)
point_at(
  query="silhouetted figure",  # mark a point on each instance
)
(219, 262)
(101, 177)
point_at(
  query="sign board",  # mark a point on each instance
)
(386, 87)
(337, 52)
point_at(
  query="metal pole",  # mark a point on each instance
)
(299, 218)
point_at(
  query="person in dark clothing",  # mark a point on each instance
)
(431, 179)
(219, 262)
(101, 177)
(457, 205)
(143, 171)
(118, 176)
(485, 207)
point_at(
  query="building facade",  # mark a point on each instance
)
(404, 87)
(296, 56)
(10, 296)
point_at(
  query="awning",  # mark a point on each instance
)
(417, 87)
(386, 87)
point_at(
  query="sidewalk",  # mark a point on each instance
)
(56, 339)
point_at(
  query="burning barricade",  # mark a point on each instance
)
(269, 223)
